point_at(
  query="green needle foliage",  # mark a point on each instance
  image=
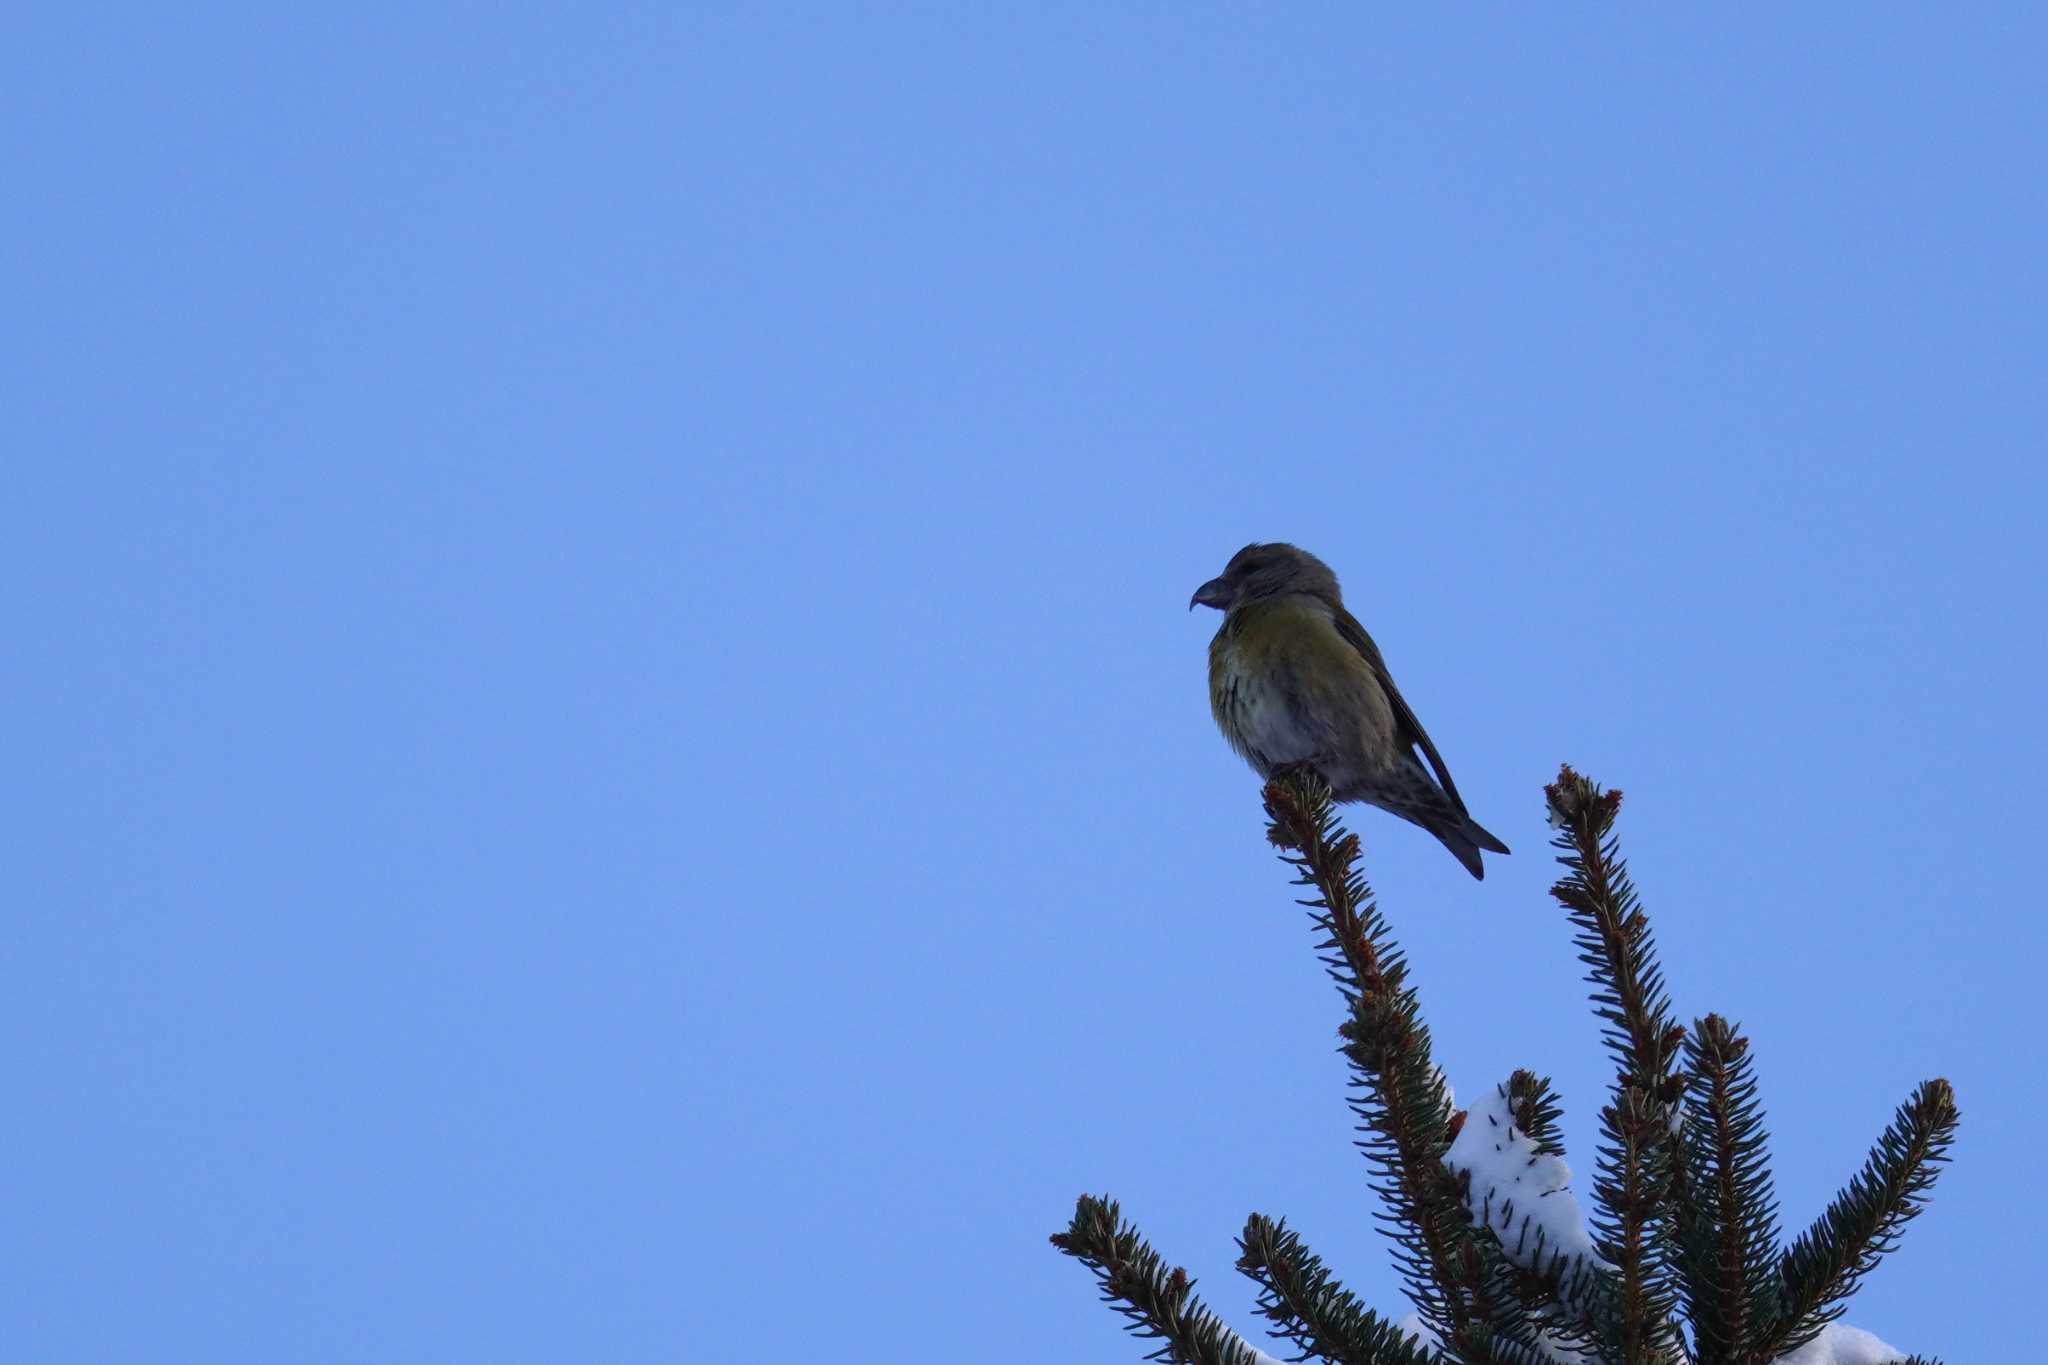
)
(1310, 1309)
(1157, 1301)
(1863, 1223)
(1731, 1238)
(1685, 1267)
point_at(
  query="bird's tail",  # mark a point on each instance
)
(1413, 794)
(1482, 838)
(1464, 837)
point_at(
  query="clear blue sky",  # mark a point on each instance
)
(606, 757)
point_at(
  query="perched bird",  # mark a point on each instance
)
(1295, 681)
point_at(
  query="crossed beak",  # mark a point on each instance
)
(1215, 593)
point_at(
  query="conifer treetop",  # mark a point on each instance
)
(1677, 1260)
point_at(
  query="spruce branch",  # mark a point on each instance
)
(1309, 1308)
(1613, 936)
(1536, 1109)
(1822, 1267)
(1730, 1234)
(1159, 1302)
(1398, 1095)
(1639, 1174)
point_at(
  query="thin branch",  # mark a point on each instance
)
(1732, 1239)
(1159, 1302)
(1640, 1174)
(1310, 1309)
(1822, 1267)
(1397, 1092)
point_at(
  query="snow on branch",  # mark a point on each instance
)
(1672, 1259)
(1515, 1186)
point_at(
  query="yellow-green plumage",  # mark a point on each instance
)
(1294, 680)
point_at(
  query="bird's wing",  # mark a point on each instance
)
(1408, 730)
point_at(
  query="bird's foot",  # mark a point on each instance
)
(1297, 774)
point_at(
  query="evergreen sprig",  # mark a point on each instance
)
(1311, 1309)
(1472, 1298)
(1159, 1302)
(1397, 1092)
(1822, 1267)
(1536, 1110)
(1640, 1178)
(1731, 1234)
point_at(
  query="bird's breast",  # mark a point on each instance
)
(1286, 688)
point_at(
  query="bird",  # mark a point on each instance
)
(1295, 682)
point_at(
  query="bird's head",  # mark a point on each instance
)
(1263, 571)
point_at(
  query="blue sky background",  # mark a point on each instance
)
(606, 757)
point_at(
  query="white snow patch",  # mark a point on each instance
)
(1450, 1092)
(1839, 1345)
(1522, 1193)
(1418, 1331)
(1836, 1345)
